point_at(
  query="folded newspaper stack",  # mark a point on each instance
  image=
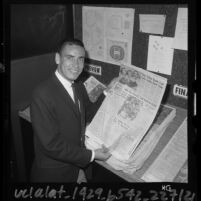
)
(127, 121)
(164, 116)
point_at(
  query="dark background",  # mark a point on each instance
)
(38, 28)
(35, 32)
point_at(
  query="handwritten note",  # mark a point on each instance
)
(160, 54)
(80, 192)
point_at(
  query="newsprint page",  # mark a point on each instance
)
(127, 111)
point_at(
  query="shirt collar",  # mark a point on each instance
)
(64, 81)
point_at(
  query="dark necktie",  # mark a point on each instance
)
(75, 97)
(78, 111)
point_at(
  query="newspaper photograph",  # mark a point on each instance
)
(94, 88)
(127, 111)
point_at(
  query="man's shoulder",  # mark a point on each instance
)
(45, 86)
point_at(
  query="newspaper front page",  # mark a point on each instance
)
(128, 111)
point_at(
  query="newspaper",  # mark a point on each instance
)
(171, 159)
(139, 156)
(94, 88)
(127, 111)
(164, 116)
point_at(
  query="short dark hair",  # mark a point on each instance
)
(69, 41)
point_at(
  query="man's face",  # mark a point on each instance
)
(70, 61)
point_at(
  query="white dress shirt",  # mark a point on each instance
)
(68, 86)
(66, 83)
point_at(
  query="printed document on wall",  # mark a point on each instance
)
(108, 33)
(181, 35)
(160, 54)
(152, 23)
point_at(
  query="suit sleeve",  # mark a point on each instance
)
(47, 134)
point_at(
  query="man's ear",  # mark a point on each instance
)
(57, 58)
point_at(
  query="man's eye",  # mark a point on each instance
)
(81, 59)
(69, 57)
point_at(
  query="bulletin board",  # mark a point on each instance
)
(179, 74)
(38, 28)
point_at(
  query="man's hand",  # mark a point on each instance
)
(102, 154)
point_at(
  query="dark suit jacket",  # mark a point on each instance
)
(59, 132)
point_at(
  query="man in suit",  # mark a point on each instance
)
(59, 122)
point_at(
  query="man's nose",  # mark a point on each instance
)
(75, 62)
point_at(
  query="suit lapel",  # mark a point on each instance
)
(66, 95)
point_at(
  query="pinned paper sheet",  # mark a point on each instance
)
(181, 36)
(108, 33)
(152, 23)
(160, 54)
